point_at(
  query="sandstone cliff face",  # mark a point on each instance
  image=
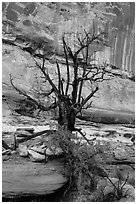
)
(49, 21)
(26, 25)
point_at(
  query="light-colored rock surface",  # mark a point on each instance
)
(23, 150)
(23, 178)
(39, 150)
(35, 156)
(48, 22)
(120, 154)
(22, 133)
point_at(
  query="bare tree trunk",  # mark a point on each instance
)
(66, 117)
(71, 120)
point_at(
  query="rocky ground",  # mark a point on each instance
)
(117, 141)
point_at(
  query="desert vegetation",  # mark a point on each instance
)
(84, 160)
(90, 153)
(66, 92)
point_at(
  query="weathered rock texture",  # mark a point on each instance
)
(27, 180)
(41, 25)
(49, 21)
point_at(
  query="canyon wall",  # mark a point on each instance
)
(28, 25)
(49, 21)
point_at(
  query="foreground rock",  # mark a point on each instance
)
(23, 150)
(23, 180)
(35, 156)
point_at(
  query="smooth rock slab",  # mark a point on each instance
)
(24, 178)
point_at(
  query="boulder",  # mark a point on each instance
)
(35, 156)
(23, 150)
(120, 153)
(39, 150)
(49, 152)
(25, 181)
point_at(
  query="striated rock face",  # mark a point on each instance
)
(28, 180)
(30, 25)
(117, 94)
(48, 21)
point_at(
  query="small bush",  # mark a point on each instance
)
(80, 160)
(83, 164)
(118, 191)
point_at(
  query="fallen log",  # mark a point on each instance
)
(36, 135)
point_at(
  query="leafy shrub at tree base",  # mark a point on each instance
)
(85, 163)
(80, 160)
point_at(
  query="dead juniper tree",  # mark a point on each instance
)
(68, 91)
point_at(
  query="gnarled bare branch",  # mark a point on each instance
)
(38, 104)
(88, 98)
(67, 64)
